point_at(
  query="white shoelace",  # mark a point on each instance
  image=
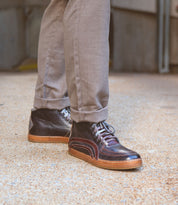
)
(66, 114)
(105, 133)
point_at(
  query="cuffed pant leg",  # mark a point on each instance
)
(86, 32)
(51, 88)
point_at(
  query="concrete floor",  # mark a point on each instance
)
(144, 111)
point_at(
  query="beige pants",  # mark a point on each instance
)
(73, 58)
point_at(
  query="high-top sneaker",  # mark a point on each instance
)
(47, 125)
(97, 144)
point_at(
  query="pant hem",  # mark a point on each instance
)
(57, 104)
(89, 116)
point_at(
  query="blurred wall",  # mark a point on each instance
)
(19, 30)
(174, 35)
(133, 35)
(12, 39)
(135, 43)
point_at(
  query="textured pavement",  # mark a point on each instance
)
(143, 108)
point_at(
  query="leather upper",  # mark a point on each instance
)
(47, 122)
(84, 140)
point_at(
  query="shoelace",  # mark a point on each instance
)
(105, 133)
(67, 114)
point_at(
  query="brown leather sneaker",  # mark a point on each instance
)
(50, 126)
(97, 144)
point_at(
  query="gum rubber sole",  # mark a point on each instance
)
(114, 165)
(48, 139)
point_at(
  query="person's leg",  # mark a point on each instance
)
(86, 31)
(50, 121)
(51, 88)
